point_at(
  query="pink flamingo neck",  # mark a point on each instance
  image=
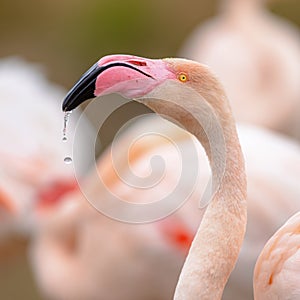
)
(217, 243)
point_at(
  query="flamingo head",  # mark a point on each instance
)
(131, 76)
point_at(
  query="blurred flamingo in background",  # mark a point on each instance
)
(257, 57)
(64, 238)
(272, 199)
(77, 253)
(31, 148)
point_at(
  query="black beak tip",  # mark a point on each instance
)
(69, 103)
(83, 90)
(65, 106)
(72, 100)
(76, 97)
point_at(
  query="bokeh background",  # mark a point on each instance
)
(66, 37)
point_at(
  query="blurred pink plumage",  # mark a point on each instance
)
(273, 195)
(277, 270)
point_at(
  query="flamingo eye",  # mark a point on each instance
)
(182, 77)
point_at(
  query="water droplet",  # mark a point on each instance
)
(66, 119)
(68, 160)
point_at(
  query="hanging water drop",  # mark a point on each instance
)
(66, 119)
(68, 160)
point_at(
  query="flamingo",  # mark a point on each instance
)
(256, 56)
(277, 269)
(209, 262)
(163, 86)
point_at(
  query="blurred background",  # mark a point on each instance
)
(66, 37)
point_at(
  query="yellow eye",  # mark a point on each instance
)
(182, 77)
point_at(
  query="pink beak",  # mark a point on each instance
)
(130, 76)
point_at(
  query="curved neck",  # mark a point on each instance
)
(217, 243)
(218, 240)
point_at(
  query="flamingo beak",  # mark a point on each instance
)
(86, 87)
(82, 90)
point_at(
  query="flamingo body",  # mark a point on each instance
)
(276, 272)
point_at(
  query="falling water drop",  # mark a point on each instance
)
(68, 160)
(66, 119)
